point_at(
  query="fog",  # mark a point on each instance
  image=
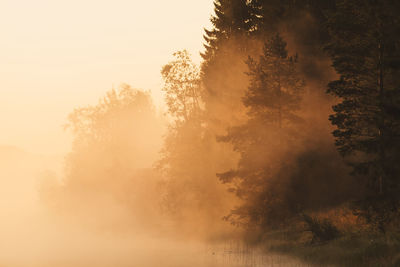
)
(33, 235)
(38, 231)
(196, 166)
(103, 203)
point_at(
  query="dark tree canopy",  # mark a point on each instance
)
(365, 53)
(272, 99)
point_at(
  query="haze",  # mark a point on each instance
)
(58, 55)
(204, 133)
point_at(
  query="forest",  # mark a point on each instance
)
(286, 136)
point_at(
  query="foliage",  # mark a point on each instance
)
(182, 87)
(114, 142)
(275, 88)
(365, 249)
(227, 45)
(254, 118)
(273, 96)
(233, 19)
(364, 49)
(322, 229)
(191, 193)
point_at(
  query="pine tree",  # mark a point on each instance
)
(275, 87)
(364, 48)
(273, 97)
(233, 19)
(227, 45)
(239, 27)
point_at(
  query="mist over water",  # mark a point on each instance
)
(107, 202)
(31, 236)
(99, 205)
(103, 203)
(226, 163)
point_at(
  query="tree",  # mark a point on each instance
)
(114, 146)
(272, 99)
(182, 87)
(181, 144)
(364, 48)
(227, 45)
(191, 190)
(233, 19)
(119, 124)
(275, 89)
(239, 28)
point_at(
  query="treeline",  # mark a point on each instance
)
(263, 93)
(107, 182)
(295, 109)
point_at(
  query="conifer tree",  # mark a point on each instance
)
(273, 97)
(227, 45)
(275, 89)
(364, 48)
(233, 19)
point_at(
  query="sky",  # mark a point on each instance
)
(56, 55)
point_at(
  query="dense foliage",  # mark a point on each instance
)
(360, 39)
(295, 109)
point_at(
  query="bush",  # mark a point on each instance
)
(322, 229)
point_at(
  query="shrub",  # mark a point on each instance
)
(322, 229)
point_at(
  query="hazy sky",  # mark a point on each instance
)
(59, 54)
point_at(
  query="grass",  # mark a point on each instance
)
(350, 249)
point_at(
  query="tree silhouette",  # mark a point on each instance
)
(272, 99)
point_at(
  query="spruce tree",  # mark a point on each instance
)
(272, 98)
(227, 45)
(275, 87)
(364, 47)
(233, 19)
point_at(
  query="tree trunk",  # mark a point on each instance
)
(381, 178)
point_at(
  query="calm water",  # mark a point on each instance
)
(237, 254)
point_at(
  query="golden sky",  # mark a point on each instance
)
(59, 54)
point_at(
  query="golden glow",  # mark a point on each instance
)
(57, 55)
